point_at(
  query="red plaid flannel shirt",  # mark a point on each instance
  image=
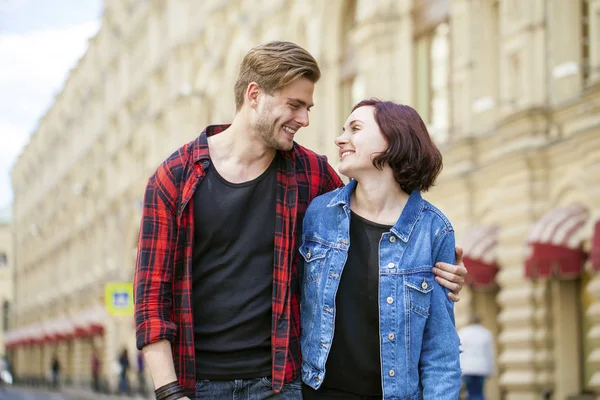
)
(163, 274)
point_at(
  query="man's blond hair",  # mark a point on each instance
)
(274, 65)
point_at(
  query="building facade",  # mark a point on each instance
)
(510, 91)
(6, 275)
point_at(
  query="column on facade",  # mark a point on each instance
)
(464, 13)
(46, 358)
(592, 168)
(384, 47)
(482, 94)
(525, 338)
(565, 310)
(593, 335)
(19, 361)
(565, 49)
(78, 368)
(63, 356)
(110, 347)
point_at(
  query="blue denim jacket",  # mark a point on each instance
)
(419, 345)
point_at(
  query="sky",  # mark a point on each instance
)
(40, 41)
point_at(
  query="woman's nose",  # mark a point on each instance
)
(340, 140)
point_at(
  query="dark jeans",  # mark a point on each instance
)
(332, 394)
(474, 384)
(246, 389)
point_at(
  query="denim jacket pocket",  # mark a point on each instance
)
(313, 254)
(419, 287)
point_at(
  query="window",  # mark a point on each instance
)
(432, 70)
(3, 260)
(514, 79)
(432, 80)
(440, 72)
(585, 39)
(5, 314)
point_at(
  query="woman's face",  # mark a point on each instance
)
(360, 141)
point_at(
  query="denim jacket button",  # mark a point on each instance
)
(391, 336)
(392, 239)
(390, 300)
(424, 284)
(391, 265)
(308, 255)
(392, 373)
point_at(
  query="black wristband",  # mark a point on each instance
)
(167, 392)
(175, 395)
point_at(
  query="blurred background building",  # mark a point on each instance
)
(6, 274)
(510, 90)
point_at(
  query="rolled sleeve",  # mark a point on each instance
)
(153, 278)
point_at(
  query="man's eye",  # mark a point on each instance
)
(295, 106)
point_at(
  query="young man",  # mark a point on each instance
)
(217, 280)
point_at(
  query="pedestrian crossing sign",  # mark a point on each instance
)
(118, 297)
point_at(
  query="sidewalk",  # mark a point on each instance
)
(84, 394)
(76, 393)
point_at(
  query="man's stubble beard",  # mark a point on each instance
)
(265, 128)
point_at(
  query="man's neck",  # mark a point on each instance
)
(238, 154)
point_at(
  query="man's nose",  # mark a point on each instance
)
(302, 118)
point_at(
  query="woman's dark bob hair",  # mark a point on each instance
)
(412, 155)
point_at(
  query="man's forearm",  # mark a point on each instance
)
(159, 359)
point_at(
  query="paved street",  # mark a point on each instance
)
(21, 394)
(17, 393)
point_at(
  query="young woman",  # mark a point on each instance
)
(375, 324)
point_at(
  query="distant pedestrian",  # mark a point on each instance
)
(123, 378)
(95, 371)
(141, 376)
(477, 357)
(55, 369)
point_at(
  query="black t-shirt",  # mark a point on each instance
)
(232, 275)
(353, 367)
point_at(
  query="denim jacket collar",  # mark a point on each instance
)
(408, 219)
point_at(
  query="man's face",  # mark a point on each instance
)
(279, 117)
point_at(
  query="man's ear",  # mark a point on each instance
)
(252, 94)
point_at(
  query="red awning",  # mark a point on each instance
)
(27, 336)
(595, 250)
(90, 322)
(58, 330)
(554, 244)
(479, 245)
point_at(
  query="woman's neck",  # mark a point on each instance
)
(379, 200)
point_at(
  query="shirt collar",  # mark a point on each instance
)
(200, 146)
(408, 219)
